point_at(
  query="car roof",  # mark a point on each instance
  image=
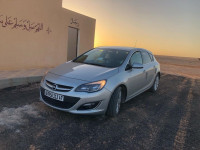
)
(124, 48)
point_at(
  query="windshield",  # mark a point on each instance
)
(103, 57)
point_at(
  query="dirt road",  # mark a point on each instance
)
(168, 119)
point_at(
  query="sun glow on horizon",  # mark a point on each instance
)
(159, 26)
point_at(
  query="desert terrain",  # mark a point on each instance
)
(167, 119)
(182, 66)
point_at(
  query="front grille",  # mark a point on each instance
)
(66, 104)
(58, 87)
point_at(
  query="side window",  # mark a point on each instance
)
(146, 58)
(136, 58)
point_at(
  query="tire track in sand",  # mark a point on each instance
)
(179, 139)
(155, 125)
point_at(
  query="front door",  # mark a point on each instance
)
(136, 77)
(72, 43)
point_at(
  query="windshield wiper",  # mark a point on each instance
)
(95, 64)
(91, 64)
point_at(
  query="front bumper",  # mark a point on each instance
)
(77, 99)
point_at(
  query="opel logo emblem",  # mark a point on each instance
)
(54, 87)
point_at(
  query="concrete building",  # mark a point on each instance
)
(40, 33)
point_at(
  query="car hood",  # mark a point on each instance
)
(84, 72)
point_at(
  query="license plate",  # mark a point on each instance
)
(55, 96)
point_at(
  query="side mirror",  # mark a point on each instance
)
(128, 67)
(137, 66)
(134, 66)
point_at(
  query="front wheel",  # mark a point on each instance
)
(154, 87)
(115, 103)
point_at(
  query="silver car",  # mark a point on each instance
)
(98, 81)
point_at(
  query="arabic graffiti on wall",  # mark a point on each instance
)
(74, 22)
(23, 24)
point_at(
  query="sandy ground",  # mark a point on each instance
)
(188, 67)
(167, 119)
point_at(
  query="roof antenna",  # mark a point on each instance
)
(135, 44)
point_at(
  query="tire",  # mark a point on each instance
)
(155, 85)
(115, 103)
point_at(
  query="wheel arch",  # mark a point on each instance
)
(124, 92)
(123, 87)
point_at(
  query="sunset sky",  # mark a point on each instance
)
(166, 27)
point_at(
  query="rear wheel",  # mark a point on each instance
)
(154, 87)
(115, 103)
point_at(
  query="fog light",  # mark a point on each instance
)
(87, 106)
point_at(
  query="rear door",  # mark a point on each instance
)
(149, 68)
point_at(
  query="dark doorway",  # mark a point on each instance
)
(72, 43)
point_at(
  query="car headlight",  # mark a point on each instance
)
(91, 87)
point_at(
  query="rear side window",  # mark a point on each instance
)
(136, 58)
(146, 58)
(151, 56)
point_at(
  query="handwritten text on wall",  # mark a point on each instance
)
(22, 24)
